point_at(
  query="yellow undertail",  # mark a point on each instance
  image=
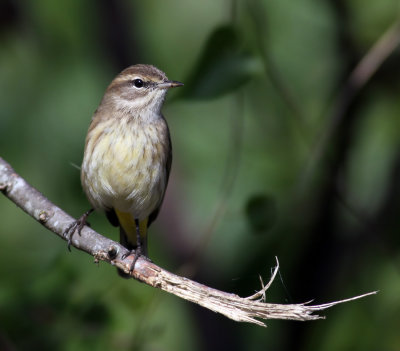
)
(127, 222)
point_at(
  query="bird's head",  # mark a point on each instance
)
(139, 89)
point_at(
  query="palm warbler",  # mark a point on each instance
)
(127, 158)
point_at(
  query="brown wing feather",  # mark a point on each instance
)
(168, 164)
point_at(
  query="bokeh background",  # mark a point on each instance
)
(282, 147)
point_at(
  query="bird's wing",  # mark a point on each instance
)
(168, 164)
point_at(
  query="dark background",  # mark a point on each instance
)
(280, 149)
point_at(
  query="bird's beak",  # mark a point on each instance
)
(169, 84)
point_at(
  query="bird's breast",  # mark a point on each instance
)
(127, 169)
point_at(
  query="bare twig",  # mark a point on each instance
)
(249, 309)
(260, 295)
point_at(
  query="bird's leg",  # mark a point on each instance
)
(76, 226)
(138, 251)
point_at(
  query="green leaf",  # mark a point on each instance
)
(223, 67)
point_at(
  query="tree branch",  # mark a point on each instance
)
(249, 309)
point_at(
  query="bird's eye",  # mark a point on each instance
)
(138, 83)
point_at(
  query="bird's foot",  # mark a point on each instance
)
(139, 253)
(76, 226)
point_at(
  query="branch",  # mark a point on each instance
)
(249, 309)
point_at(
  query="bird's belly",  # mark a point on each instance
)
(129, 175)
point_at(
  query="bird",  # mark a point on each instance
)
(128, 155)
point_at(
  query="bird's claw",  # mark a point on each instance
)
(138, 254)
(76, 226)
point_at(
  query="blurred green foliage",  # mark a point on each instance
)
(222, 68)
(262, 81)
